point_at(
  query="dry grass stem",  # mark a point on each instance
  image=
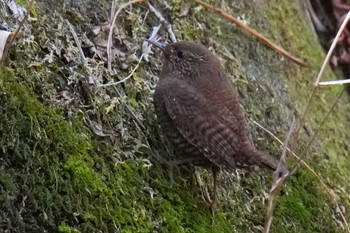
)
(109, 43)
(318, 130)
(302, 121)
(300, 160)
(76, 41)
(254, 33)
(323, 67)
(334, 82)
(277, 182)
(307, 149)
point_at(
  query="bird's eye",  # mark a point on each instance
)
(180, 54)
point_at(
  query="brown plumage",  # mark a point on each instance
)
(198, 110)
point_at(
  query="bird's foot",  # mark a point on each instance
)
(170, 174)
(170, 165)
(170, 168)
(213, 207)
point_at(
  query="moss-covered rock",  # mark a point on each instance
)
(76, 161)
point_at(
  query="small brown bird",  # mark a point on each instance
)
(198, 110)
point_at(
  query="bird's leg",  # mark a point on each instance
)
(171, 164)
(170, 174)
(213, 205)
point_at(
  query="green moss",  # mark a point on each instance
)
(24, 3)
(21, 3)
(63, 228)
(84, 175)
(305, 204)
(72, 189)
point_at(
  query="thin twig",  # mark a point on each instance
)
(262, 38)
(308, 103)
(113, 7)
(318, 129)
(146, 47)
(284, 151)
(109, 44)
(28, 10)
(145, 52)
(166, 24)
(309, 146)
(334, 82)
(328, 191)
(277, 182)
(126, 78)
(14, 35)
(313, 92)
(76, 41)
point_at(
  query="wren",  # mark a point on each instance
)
(199, 111)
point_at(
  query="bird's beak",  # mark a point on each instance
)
(156, 43)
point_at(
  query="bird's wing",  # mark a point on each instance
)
(213, 129)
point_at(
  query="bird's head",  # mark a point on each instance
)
(186, 59)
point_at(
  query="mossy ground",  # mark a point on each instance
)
(58, 176)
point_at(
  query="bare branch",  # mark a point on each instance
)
(163, 21)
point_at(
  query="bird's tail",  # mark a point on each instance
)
(261, 158)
